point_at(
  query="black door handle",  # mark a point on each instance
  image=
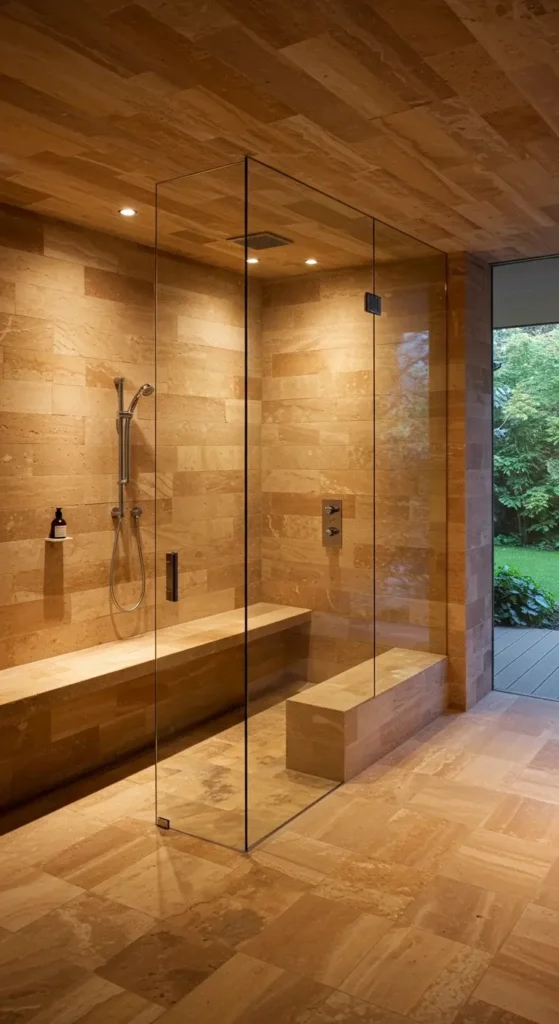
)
(172, 576)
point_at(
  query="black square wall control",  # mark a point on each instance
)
(372, 303)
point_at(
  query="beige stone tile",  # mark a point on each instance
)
(530, 717)
(464, 913)
(186, 844)
(300, 856)
(525, 818)
(341, 1008)
(501, 863)
(163, 883)
(391, 785)
(318, 938)
(48, 836)
(373, 886)
(489, 772)
(523, 977)
(478, 1012)
(467, 732)
(536, 784)
(215, 824)
(162, 966)
(99, 1002)
(22, 396)
(547, 757)
(419, 974)
(30, 984)
(27, 894)
(238, 907)
(455, 801)
(101, 856)
(513, 746)
(200, 848)
(420, 841)
(117, 801)
(247, 991)
(351, 825)
(87, 931)
(547, 893)
(431, 759)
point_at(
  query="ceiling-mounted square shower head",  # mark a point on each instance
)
(261, 240)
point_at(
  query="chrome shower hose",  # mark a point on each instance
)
(134, 607)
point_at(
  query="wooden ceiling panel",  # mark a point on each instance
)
(440, 116)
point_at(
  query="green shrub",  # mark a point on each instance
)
(519, 601)
(508, 540)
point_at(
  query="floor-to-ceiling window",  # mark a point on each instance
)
(526, 477)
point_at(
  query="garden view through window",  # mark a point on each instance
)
(526, 509)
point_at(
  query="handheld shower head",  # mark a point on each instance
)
(144, 391)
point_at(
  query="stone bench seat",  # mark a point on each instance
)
(71, 714)
(338, 727)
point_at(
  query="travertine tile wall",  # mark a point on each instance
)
(200, 434)
(76, 310)
(470, 526)
(323, 389)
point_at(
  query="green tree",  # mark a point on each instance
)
(526, 433)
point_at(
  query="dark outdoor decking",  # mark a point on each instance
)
(527, 661)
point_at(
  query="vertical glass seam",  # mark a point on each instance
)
(492, 612)
(374, 471)
(246, 165)
(447, 460)
(155, 514)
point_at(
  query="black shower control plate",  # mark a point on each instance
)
(373, 303)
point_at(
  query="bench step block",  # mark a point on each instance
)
(339, 727)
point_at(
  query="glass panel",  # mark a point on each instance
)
(525, 460)
(410, 447)
(200, 353)
(310, 597)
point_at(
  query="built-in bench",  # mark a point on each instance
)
(65, 716)
(341, 726)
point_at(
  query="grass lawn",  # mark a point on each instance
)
(542, 566)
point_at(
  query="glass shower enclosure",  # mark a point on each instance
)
(300, 482)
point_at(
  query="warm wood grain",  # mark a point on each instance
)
(439, 117)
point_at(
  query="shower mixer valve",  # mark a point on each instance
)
(332, 523)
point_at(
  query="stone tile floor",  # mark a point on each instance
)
(425, 890)
(201, 787)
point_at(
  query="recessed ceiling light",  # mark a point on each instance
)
(311, 263)
(127, 211)
(253, 259)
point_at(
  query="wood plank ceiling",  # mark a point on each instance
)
(438, 116)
